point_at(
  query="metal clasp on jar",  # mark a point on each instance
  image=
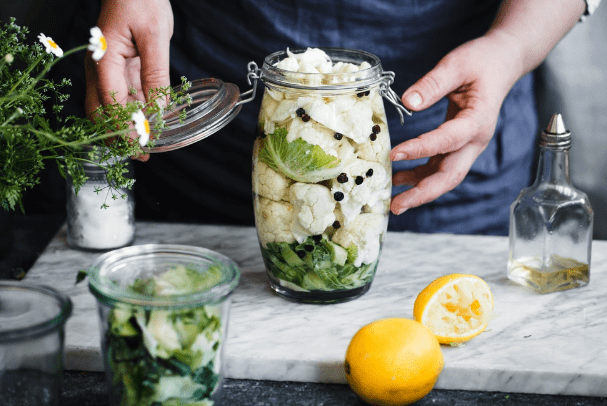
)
(252, 78)
(386, 91)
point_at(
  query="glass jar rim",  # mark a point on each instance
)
(110, 293)
(361, 79)
(45, 326)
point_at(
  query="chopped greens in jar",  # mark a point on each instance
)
(166, 357)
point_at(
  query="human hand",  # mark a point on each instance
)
(138, 33)
(475, 78)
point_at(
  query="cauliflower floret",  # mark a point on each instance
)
(275, 94)
(269, 183)
(364, 65)
(345, 67)
(274, 221)
(268, 107)
(345, 153)
(377, 104)
(290, 63)
(350, 116)
(357, 121)
(313, 209)
(378, 150)
(315, 134)
(311, 57)
(364, 232)
(382, 204)
(362, 183)
(284, 110)
(325, 67)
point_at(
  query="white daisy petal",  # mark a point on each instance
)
(142, 126)
(50, 46)
(97, 43)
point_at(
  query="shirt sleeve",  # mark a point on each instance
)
(591, 5)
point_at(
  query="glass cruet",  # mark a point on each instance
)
(551, 222)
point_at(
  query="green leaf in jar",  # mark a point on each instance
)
(298, 160)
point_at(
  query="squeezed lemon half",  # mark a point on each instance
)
(456, 307)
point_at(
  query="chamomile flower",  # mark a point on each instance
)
(142, 125)
(50, 45)
(97, 43)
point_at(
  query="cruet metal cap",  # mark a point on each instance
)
(556, 135)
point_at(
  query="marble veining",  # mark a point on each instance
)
(550, 344)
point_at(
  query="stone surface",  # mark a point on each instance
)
(545, 344)
(90, 389)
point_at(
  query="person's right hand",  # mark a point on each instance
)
(138, 33)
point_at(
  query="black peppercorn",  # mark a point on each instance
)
(359, 180)
(301, 254)
(338, 136)
(342, 178)
(309, 247)
(361, 94)
(317, 238)
(336, 224)
(300, 112)
(339, 196)
(376, 129)
(373, 136)
(369, 173)
(305, 118)
(368, 92)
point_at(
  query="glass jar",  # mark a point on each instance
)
(322, 175)
(164, 314)
(98, 217)
(32, 320)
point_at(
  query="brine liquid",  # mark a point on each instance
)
(558, 273)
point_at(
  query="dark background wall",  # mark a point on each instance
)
(572, 81)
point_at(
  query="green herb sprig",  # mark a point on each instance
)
(27, 139)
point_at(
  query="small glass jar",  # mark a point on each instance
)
(163, 311)
(322, 175)
(32, 320)
(99, 218)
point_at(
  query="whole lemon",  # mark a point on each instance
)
(393, 361)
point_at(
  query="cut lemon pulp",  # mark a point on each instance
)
(455, 307)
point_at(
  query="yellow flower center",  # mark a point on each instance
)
(52, 43)
(146, 125)
(103, 43)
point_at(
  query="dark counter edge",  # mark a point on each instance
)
(32, 233)
(90, 389)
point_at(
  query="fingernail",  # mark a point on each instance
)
(413, 99)
(399, 157)
(399, 211)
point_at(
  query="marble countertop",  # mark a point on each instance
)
(546, 344)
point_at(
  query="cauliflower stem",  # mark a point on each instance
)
(318, 269)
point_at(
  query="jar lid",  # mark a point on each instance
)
(28, 310)
(112, 274)
(213, 105)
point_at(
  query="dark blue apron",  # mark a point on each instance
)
(210, 181)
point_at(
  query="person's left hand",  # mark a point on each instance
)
(475, 77)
